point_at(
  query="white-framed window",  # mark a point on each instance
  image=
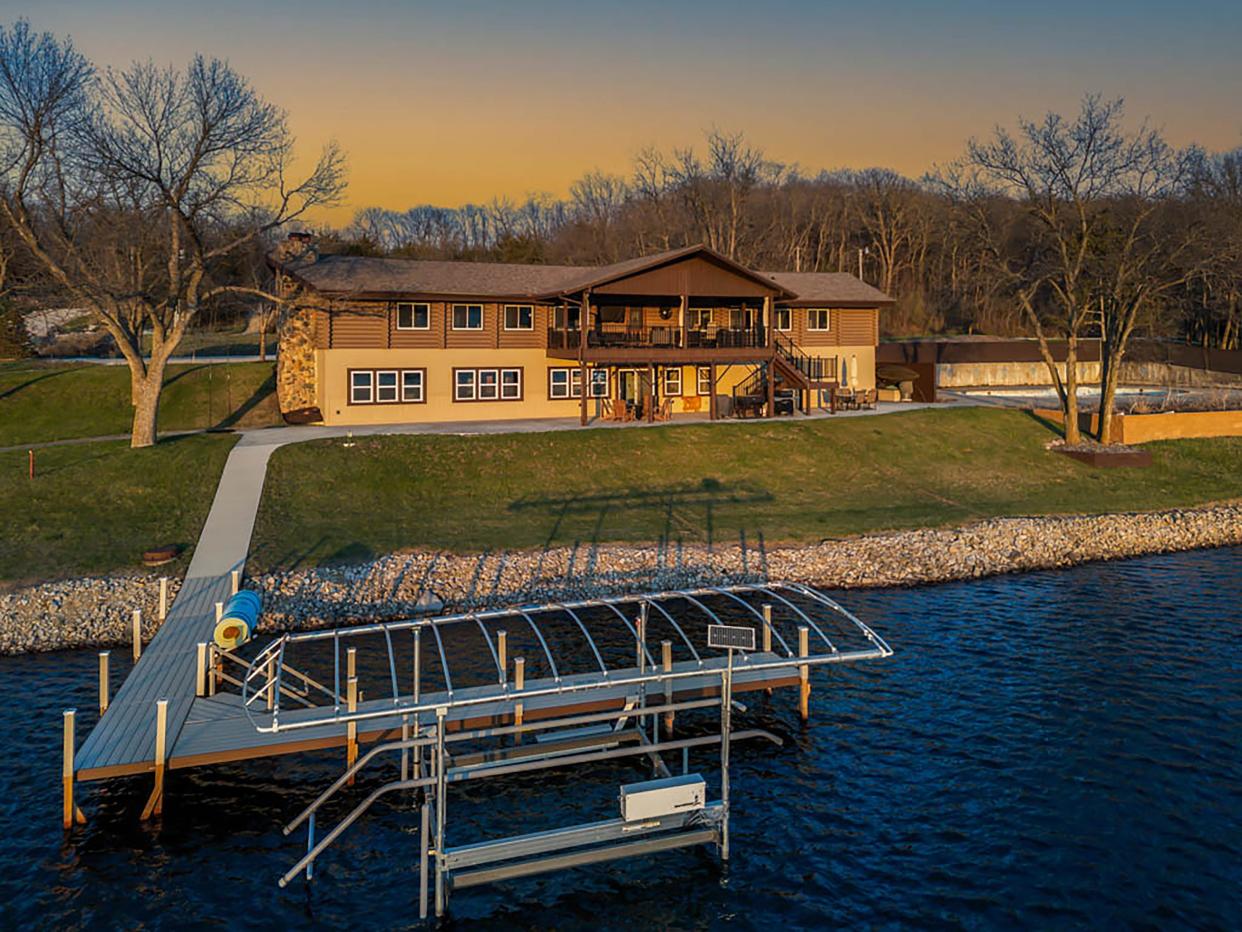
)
(511, 384)
(519, 317)
(467, 316)
(784, 318)
(672, 381)
(703, 376)
(413, 389)
(697, 318)
(599, 383)
(361, 387)
(818, 318)
(563, 382)
(386, 386)
(487, 384)
(413, 316)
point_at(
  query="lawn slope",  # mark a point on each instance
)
(789, 481)
(46, 401)
(94, 507)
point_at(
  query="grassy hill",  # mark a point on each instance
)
(789, 480)
(56, 401)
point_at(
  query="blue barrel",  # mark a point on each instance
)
(240, 618)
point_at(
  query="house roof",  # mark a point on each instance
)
(368, 276)
(840, 289)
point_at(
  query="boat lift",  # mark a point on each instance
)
(723, 641)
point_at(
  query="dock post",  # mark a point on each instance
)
(137, 626)
(804, 674)
(155, 803)
(351, 663)
(424, 828)
(72, 813)
(236, 580)
(519, 683)
(213, 666)
(104, 656)
(405, 752)
(271, 682)
(418, 662)
(441, 806)
(351, 728)
(163, 598)
(767, 635)
(666, 658)
(200, 670)
(219, 611)
(502, 655)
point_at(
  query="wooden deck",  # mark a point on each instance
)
(216, 729)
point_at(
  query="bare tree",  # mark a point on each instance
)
(132, 188)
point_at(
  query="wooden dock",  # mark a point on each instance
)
(124, 740)
(216, 729)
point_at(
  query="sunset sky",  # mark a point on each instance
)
(452, 102)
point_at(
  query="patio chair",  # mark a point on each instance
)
(665, 411)
(869, 398)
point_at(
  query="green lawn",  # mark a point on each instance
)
(790, 481)
(94, 507)
(50, 401)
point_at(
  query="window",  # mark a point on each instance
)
(361, 387)
(704, 374)
(672, 381)
(413, 316)
(412, 386)
(567, 383)
(599, 383)
(784, 318)
(467, 316)
(742, 318)
(697, 318)
(564, 383)
(386, 386)
(519, 317)
(511, 384)
(613, 314)
(817, 318)
(566, 318)
(487, 384)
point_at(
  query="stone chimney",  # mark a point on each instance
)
(298, 249)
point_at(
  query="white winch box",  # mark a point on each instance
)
(655, 798)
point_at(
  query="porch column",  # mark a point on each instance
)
(769, 331)
(685, 302)
(711, 399)
(584, 317)
(586, 391)
(651, 373)
(771, 388)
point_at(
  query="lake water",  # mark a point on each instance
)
(1047, 750)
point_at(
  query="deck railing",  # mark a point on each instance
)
(660, 337)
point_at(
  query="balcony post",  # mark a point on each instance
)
(584, 318)
(685, 332)
(651, 394)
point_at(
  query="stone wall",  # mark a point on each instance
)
(295, 361)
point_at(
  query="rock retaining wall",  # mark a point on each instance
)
(91, 612)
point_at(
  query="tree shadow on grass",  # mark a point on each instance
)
(38, 378)
(1047, 423)
(261, 394)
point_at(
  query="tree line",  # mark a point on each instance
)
(151, 195)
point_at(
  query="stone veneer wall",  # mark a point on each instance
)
(295, 361)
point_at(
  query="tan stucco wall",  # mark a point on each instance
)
(333, 367)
